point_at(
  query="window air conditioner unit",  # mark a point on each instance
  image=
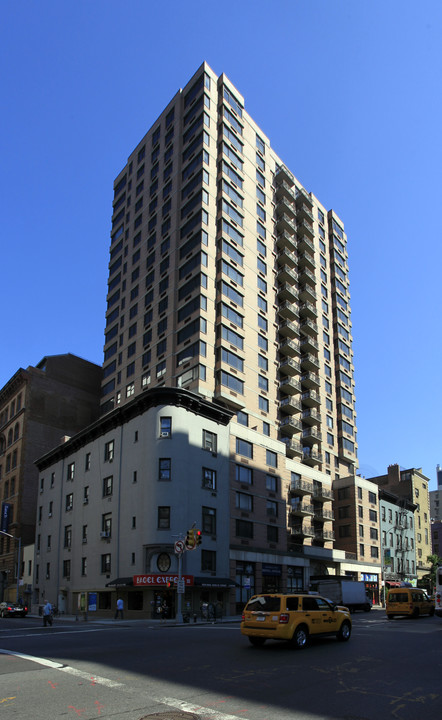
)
(104, 534)
(165, 433)
(85, 501)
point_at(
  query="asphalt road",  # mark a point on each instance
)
(129, 670)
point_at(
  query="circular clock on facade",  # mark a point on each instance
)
(163, 562)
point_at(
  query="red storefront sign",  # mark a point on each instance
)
(160, 580)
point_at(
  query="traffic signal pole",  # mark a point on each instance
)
(180, 594)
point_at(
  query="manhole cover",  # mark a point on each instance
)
(171, 715)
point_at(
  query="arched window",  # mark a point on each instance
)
(10, 437)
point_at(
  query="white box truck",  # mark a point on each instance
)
(350, 593)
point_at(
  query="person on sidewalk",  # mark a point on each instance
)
(120, 608)
(47, 614)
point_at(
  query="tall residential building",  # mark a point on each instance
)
(412, 485)
(228, 278)
(228, 389)
(38, 406)
(436, 498)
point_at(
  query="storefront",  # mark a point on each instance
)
(372, 587)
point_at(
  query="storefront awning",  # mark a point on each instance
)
(214, 582)
(121, 582)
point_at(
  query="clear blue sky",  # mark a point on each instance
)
(349, 93)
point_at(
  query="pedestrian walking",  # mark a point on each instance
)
(119, 610)
(47, 614)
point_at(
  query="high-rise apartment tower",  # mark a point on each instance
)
(229, 279)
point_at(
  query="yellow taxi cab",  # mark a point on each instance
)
(294, 618)
(408, 601)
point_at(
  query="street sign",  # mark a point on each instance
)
(179, 547)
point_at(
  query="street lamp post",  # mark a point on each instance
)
(18, 559)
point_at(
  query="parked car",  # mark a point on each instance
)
(8, 609)
(293, 618)
(408, 601)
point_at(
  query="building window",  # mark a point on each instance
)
(208, 520)
(165, 469)
(373, 516)
(244, 529)
(272, 508)
(84, 566)
(244, 448)
(243, 474)
(344, 531)
(271, 483)
(107, 486)
(109, 451)
(69, 501)
(209, 441)
(208, 561)
(244, 502)
(68, 536)
(165, 427)
(106, 525)
(374, 551)
(372, 498)
(209, 478)
(71, 471)
(67, 569)
(271, 458)
(272, 533)
(87, 461)
(84, 534)
(106, 563)
(163, 517)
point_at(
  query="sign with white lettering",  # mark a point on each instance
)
(159, 580)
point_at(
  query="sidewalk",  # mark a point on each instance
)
(91, 618)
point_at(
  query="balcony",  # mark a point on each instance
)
(307, 294)
(324, 535)
(287, 275)
(290, 426)
(304, 197)
(283, 174)
(286, 204)
(306, 259)
(286, 257)
(311, 398)
(311, 417)
(289, 406)
(305, 232)
(229, 398)
(300, 509)
(288, 311)
(306, 276)
(303, 211)
(293, 448)
(311, 457)
(284, 223)
(289, 329)
(321, 493)
(310, 380)
(308, 327)
(289, 386)
(309, 362)
(283, 189)
(311, 435)
(290, 348)
(308, 310)
(322, 515)
(301, 487)
(288, 293)
(308, 344)
(302, 529)
(287, 241)
(288, 366)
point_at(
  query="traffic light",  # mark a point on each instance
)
(198, 537)
(190, 539)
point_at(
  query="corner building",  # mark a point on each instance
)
(228, 280)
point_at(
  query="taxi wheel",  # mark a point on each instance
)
(415, 613)
(344, 632)
(300, 637)
(431, 612)
(257, 641)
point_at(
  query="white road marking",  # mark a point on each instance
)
(168, 701)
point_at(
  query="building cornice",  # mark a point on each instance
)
(122, 415)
